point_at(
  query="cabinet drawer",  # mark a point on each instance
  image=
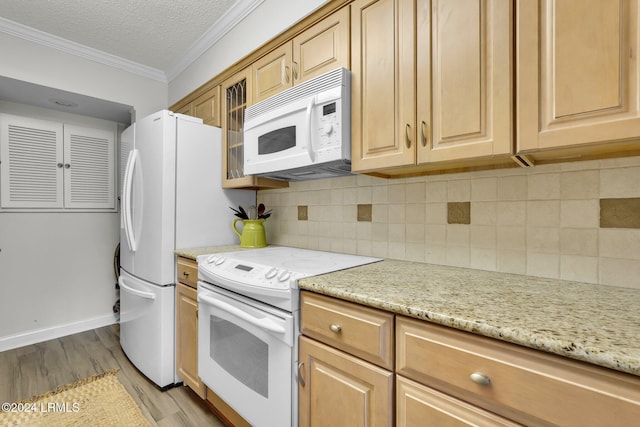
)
(418, 405)
(525, 385)
(188, 272)
(361, 331)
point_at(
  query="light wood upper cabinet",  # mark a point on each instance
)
(577, 78)
(272, 73)
(382, 84)
(322, 47)
(237, 97)
(185, 109)
(457, 105)
(465, 47)
(207, 107)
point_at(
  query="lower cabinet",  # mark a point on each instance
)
(440, 376)
(187, 338)
(530, 387)
(187, 326)
(337, 389)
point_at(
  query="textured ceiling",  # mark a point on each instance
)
(155, 33)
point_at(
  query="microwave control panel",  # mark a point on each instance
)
(329, 131)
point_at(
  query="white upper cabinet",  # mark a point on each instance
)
(89, 178)
(50, 165)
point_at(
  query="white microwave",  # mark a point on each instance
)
(303, 132)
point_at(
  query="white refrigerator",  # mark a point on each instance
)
(171, 197)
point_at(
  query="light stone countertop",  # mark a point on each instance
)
(193, 253)
(593, 323)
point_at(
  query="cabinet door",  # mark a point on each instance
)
(207, 107)
(237, 96)
(464, 103)
(187, 338)
(32, 162)
(323, 47)
(577, 72)
(382, 84)
(336, 389)
(236, 99)
(272, 73)
(186, 109)
(89, 168)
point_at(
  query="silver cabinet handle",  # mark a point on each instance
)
(299, 374)
(480, 378)
(335, 328)
(286, 73)
(407, 129)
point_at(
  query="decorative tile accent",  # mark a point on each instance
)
(574, 221)
(459, 213)
(620, 213)
(303, 213)
(364, 212)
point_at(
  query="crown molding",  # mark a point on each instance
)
(36, 36)
(222, 26)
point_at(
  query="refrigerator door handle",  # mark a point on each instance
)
(127, 214)
(142, 294)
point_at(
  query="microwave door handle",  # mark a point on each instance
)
(262, 323)
(312, 153)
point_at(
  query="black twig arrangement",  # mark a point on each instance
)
(253, 213)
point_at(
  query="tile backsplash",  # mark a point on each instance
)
(540, 221)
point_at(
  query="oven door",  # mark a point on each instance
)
(245, 355)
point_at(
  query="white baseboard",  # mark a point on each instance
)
(39, 335)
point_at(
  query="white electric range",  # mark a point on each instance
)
(248, 326)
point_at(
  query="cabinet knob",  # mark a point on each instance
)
(335, 327)
(185, 273)
(480, 378)
(60, 165)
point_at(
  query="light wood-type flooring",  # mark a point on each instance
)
(38, 368)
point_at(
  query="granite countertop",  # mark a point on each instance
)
(593, 323)
(193, 253)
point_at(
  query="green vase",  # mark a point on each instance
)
(252, 234)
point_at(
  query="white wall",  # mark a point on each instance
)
(56, 269)
(268, 20)
(38, 64)
(56, 274)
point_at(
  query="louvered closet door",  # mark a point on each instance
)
(89, 174)
(32, 158)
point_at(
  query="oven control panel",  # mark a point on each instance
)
(249, 273)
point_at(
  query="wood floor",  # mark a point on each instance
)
(38, 368)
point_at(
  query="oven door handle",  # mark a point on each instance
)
(262, 323)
